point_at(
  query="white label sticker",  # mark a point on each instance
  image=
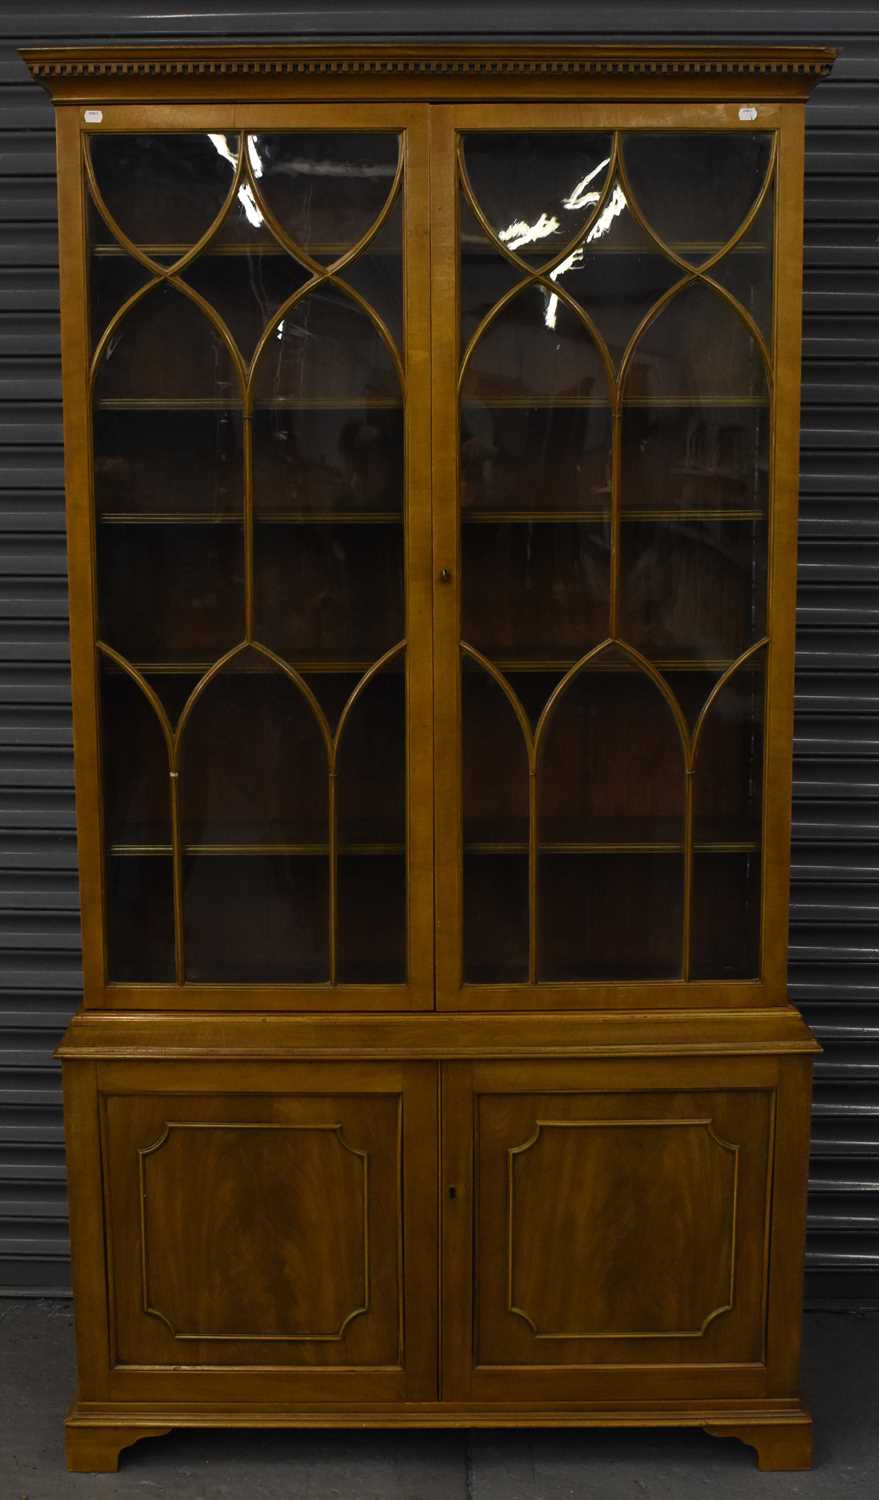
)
(747, 112)
(93, 116)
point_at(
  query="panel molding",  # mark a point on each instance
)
(704, 1123)
(302, 1337)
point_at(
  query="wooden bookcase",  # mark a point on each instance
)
(431, 423)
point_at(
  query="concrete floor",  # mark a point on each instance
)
(841, 1380)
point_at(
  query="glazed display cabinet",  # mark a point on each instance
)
(431, 423)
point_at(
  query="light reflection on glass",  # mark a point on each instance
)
(222, 147)
(245, 192)
(579, 198)
(306, 166)
(612, 209)
(254, 158)
(519, 233)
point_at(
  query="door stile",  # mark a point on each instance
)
(458, 1190)
(417, 559)
(446, 555)
(81, 548)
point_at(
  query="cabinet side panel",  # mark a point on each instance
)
(88, 1248)
(788, 1230)
(80, 546)
(783, 550)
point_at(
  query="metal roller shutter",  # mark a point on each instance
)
(835, 918)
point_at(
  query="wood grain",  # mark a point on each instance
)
(263, 1224)
(613, 1230)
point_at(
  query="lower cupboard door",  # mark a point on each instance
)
(606, 1229)
(271, 1231)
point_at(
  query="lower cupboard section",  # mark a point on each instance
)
(320, 1235)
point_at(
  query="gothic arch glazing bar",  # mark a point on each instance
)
(613, 526)
(268, 516)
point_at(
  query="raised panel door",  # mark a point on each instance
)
(619, 1216)
(270, 1235)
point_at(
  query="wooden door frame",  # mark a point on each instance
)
(72, 126)
(787, 122)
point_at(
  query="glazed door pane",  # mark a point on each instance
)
(248, 357)
(614, 380)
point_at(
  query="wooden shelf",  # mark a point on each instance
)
(166, 403)
(142, 851)
(540, 517)
(504, 403)
(682, 403)
(505, 664)
(219, 403)
(329, 518)
(500, 847)
(266, 518)
(662, 664)
(171, 518)
(601, 517)
(145, 851)
(688, 403)
(690, 514)
(331, 403)
(394, 403)
(110, 249)
(633, 402)
(198, 668)
(541, 251)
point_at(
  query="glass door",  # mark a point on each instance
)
(260, 505)
(602, 636)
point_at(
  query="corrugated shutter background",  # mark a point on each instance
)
(835, 930)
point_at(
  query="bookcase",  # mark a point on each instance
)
(431, 423)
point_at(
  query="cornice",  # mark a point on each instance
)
(479, 60)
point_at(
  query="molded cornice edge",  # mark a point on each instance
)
(473, 58)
